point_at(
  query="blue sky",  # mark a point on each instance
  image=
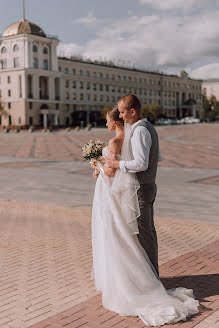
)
(169, 35)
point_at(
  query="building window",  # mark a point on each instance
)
(20, 86)
(67, 95)
(9, 93)
(45, 50)
(30, 105)
(88, 85)
(60, 69)
(66, 71)
(15, 48)
(95, 74)
(73, 84)
(94, 86)
(3, 64)
(35, 48)
(57, 106)
(66, 84)
(88, 73)
(9, 79)
(81, 72)
(67, 107)
(81, 85)
(74, 96)
(81, 96)
(107, 87)
(30, 120)
(101, 75)
(3, 50)
(19, 120)
(95, 97)
(101, 87)
(35, 62)
(45, 64)
(16, 62)
(88, 97)
(9, 105)
(73, 71)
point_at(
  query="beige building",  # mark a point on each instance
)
(211, 87)
(38, 88)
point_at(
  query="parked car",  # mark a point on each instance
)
(175, 121)
(163, 121)
(190, 120)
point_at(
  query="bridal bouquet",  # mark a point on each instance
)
(92, 151)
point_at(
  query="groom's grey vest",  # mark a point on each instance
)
(149, 175)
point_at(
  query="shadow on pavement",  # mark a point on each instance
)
(204, 286)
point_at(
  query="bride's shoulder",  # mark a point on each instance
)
(115, 145)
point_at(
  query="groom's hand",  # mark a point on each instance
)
(112, 162)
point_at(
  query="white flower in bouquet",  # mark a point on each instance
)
(92, 150)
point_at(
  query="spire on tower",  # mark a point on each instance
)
(23, 9)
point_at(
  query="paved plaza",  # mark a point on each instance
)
(45, 236)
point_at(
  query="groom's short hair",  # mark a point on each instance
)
(131, 101)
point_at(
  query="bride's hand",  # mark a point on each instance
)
(94, 165)
(95, 174)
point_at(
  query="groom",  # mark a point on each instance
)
(145, 151)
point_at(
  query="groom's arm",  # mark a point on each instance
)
(141, 144)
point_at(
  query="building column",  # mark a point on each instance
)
(88, 116)
(36, 87)
(194, 111)
(56, 120)
(51, 87)
(45, 120)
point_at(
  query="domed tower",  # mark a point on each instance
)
(28, 72)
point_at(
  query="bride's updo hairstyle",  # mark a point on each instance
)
(114, 114)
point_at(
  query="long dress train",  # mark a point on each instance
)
(122, 270)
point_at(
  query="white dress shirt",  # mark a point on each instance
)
(141, 143)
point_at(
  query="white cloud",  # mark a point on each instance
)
(206, 71)
(69, 49)
(166, 42)
(176, 4)
(89, 20)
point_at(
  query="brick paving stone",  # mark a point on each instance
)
(195, 146)
(205, 286)
(45, 262)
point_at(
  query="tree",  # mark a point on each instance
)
(2, 112)
(210, 108)
(151, 112)
(104, 111)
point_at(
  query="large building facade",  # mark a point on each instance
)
(39, 88)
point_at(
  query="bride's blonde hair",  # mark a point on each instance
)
(114, 114)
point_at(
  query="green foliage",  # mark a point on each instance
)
(210, 108)
(151, 112)
(104, 111)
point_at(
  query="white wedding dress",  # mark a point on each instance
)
(122, 270)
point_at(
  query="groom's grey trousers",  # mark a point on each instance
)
(147, 234)
(146, 195)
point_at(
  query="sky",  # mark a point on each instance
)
(164, 35)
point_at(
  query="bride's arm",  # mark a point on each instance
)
(114, 148)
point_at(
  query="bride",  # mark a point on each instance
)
(122, 270)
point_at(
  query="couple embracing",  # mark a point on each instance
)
(124, 240)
